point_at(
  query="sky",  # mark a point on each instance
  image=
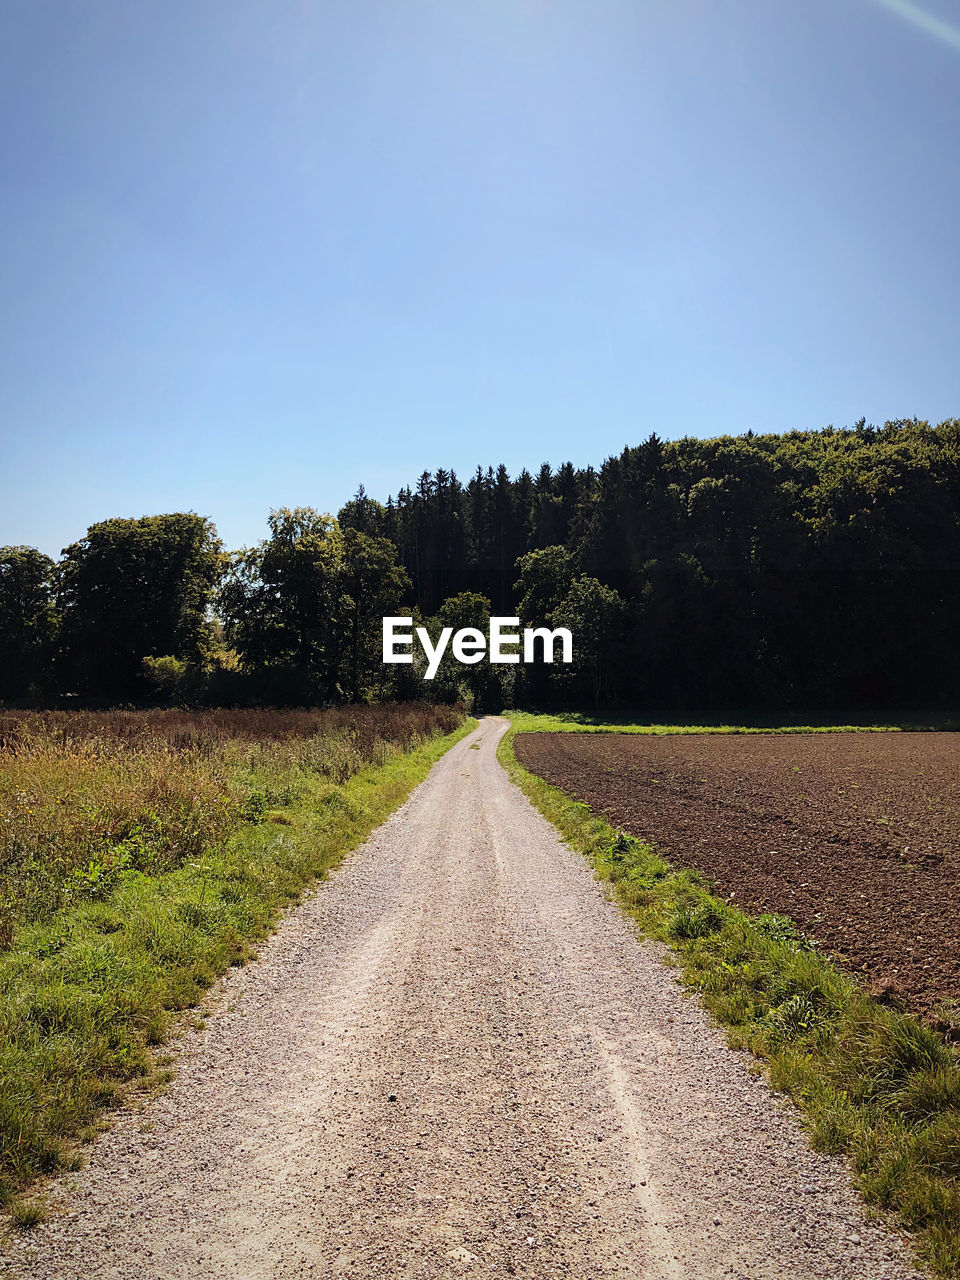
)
(255, 253)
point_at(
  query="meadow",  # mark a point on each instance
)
(141, 853)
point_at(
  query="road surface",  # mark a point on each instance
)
(457, 1058)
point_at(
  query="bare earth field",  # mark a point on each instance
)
(456, 1058)
(855, 836)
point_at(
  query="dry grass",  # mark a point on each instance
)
(142, 854)
(88, 798)
(28, 1213)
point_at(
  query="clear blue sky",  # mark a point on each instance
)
(256, 252)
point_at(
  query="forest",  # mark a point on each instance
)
(780, 572)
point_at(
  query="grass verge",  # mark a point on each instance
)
(86, 994)
(872, 1083)
(578, 722)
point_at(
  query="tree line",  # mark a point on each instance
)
(797, 570)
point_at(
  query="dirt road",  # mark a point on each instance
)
(457, 1059)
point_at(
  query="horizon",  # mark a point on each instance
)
(463, 479)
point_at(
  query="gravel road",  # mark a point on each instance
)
(456, 1058)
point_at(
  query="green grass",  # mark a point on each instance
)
(28, 1213)
(87, 993)
(577, 722)
(89, 798)
(872, 1083)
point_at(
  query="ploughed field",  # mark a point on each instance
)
(854, 836)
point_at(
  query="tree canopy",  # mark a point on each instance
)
(806, 569)
(136, 588)
(305, 605)
(27, 621)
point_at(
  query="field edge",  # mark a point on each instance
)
(87, 999)
(577, 722)
(871, 1083)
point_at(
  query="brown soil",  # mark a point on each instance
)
(855, 836)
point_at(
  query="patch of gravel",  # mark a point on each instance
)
(455, 1058)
